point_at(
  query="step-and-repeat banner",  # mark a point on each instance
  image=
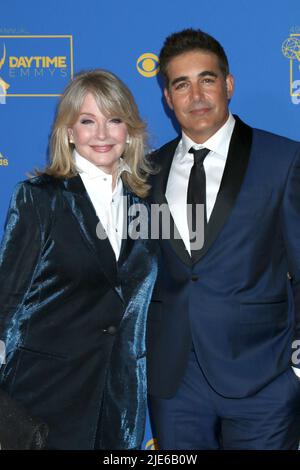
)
(43, 44)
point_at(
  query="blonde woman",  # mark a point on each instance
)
(74, 304)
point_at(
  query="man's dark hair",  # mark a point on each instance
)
(190, 40)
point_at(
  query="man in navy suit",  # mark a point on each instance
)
(224, 325)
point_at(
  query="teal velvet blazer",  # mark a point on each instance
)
(73, 319)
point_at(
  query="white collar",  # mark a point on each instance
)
(218, 142)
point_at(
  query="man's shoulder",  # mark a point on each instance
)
(271, 136)
(166, 148)
(277, 142)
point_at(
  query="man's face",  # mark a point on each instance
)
(198, 93)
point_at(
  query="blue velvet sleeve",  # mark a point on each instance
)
(19, 253)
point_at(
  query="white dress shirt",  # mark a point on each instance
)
(214, 164)
(108, 203)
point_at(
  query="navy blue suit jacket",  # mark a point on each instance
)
(239, 303)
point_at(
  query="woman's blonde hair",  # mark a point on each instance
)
(114, 99)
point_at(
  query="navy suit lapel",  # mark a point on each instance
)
(234, 172)
(84, 212)
(162, 161)
(159, 186)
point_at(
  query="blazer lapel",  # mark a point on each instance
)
(127, 241)
(159, 186)
(84, 212)
(234, 172)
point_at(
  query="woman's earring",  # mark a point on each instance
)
(128, 140)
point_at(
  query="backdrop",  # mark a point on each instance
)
(42, 44)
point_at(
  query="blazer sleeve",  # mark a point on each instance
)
(19, 254)
(291, 234)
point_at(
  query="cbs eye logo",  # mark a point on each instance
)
(148, 65)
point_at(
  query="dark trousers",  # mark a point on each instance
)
(198, 418)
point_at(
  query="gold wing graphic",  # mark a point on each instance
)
(3, 57)
(3, 86)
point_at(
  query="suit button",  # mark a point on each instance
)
(111, 330)
(194, 278)
(289, 276)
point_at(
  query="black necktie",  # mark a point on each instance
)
(197, 189)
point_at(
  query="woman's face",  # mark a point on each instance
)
(99, 139)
